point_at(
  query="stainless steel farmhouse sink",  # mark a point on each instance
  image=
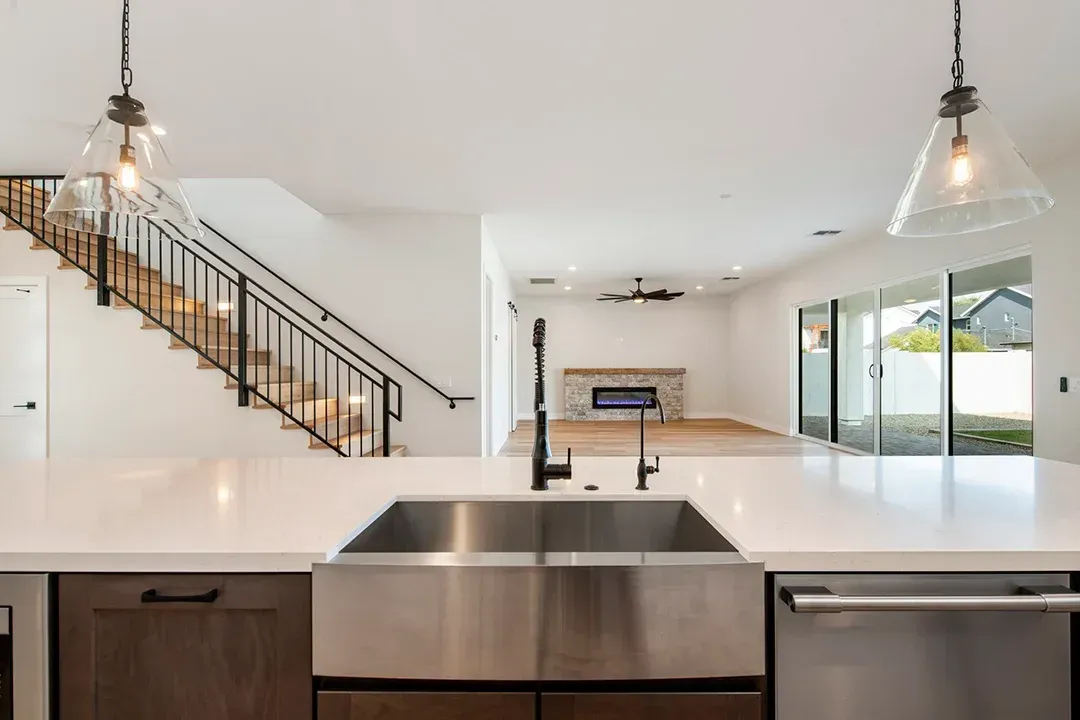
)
(538, 590)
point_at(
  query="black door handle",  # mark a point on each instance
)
(151, 596)
(30, 405)
(870, 370)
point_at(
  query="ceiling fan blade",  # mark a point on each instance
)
(616, 299)
(656, 293)
(623, 300)
(676, 294)
(611, 295)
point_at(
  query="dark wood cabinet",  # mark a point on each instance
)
(178, 647)
(426, 706)
(651, 706)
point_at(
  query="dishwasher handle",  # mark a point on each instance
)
(1031, 598)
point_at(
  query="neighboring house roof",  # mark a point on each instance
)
(928, 313)
(1018, 296)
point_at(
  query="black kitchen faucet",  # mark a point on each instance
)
(542, 470)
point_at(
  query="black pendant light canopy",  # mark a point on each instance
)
(968, 176)
(123, 179)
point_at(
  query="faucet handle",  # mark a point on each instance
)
(656, 468)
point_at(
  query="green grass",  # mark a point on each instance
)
(1024, 437)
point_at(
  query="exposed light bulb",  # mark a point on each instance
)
(700, 287)
(127, 174)
(639, 300)
(960, 171)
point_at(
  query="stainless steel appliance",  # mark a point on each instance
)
(539, 590)
(24, 667)
(932, 647)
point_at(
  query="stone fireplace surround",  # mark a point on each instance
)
(579, 384)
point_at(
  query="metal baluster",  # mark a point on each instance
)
(348, 397)
(102, 269)
(279, 355)
(386, 416)
(242, 398)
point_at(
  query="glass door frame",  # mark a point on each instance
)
(945, 285)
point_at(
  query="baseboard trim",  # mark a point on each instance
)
(759, 423)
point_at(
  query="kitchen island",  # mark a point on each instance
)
(247, 534)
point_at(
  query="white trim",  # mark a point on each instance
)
(771, 427)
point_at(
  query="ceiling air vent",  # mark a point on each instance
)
(729, 277)
(824, 233)
(541, 281)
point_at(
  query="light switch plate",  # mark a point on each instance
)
(1074, 384)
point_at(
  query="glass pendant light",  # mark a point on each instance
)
(122, 180)
(968, 176)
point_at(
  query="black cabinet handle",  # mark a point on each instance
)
(30, 405)
(151, 596)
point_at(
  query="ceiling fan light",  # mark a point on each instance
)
(968, 176)
(639, 300)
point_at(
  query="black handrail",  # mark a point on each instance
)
(327, 314)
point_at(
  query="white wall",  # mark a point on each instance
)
(761, 352)
(502, 384)
(406, 280)
(689, 332)
(116, 390)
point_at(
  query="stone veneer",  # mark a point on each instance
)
(579, 384)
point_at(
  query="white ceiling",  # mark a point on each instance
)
(599, 133)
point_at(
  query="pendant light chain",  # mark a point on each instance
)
(125, 57)
(958, 63)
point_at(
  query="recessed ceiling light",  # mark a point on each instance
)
(567, 287)
(572, 268)
(700, 287)
(225, 307)
(911, 300)
(725, 196)
(737, 268)
(158, 130)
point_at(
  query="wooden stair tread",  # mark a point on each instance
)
(395, 451)
(356, 439)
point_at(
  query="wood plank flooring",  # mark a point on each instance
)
(677, 437)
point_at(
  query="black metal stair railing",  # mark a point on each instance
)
(272, 354)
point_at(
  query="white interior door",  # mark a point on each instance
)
(23, 368)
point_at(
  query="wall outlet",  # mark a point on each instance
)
(446, 383)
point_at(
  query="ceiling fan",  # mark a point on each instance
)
(639, 296)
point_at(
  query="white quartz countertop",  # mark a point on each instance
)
(793, 514)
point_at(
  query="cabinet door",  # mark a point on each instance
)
(651, 706)
(184, 647)
(425, 706)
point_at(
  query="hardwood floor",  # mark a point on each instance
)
(677, 437)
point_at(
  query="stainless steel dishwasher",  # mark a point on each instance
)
(24, 667)
(931, 647)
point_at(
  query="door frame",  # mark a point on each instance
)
(489, 359)
(41, 281)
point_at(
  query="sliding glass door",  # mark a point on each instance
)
(910, 372)
(992, 349)
(939, 364)
(815, 361)
(855, 323)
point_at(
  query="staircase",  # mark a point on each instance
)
(272, 356)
